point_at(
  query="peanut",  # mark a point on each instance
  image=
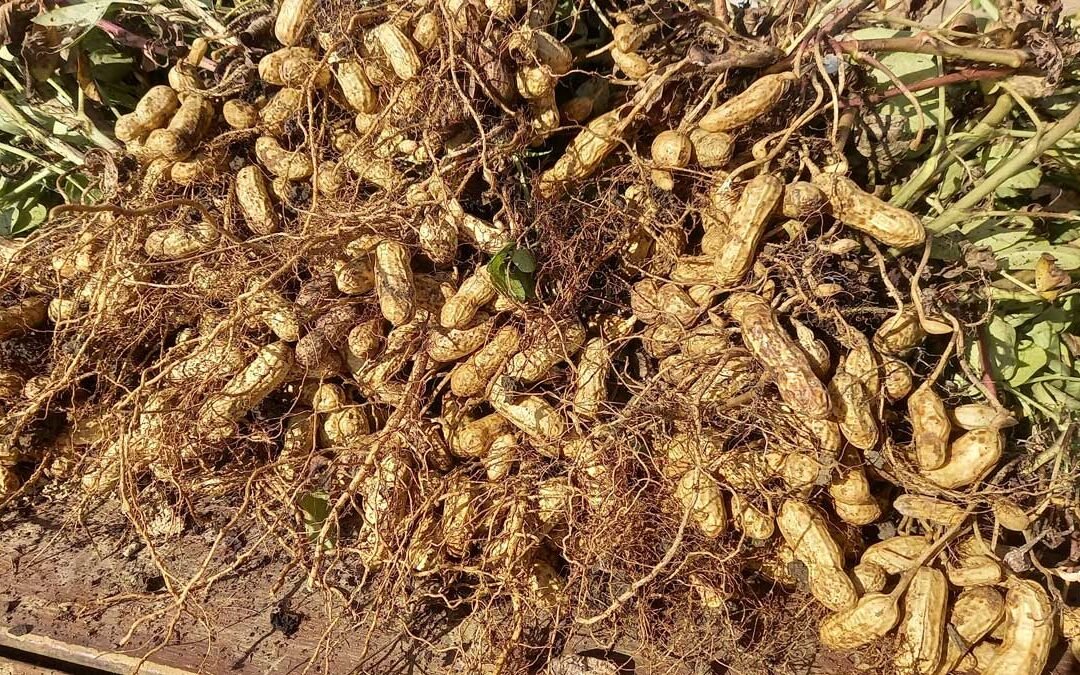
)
(930, 427)
(554, 343)
(712, 149)
(471, 378)
(240, 114)
(869, 578)
(750, 520)
(399, 50)
(584, 154)
(756, 100)
(896, 554)
(864, 212)
(853, 411)
(774, 348)
(969, 459)
(474, 293)
(803, 200)
(394, 282)
(900, 333)
(929, 510)
(292, 20)
(291, 165)
(254, 201)
(268, 370)
(973, 614)
(698, 493)
(450, 344)
(976, 570)
(734, 254)
(872, 617)
(1029, 631)
(805, 530)
(922, 629)
(459, 519)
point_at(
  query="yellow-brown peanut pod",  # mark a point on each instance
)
(490, 237)
(385, 499)
(291, 165)
(869, 578)
(534, 83)
(362, 344)
(684, 451)
(280, 315)
(1029, 631)
(471, 378)
(853, 411)
(531, 413)
(529, 45)
(584, 153)
(863, 363)
(750, 520)
(734, 254)
(969, 459)
(153, 111)
(394, 282)
(173, 243)
(712, 149)
(866, 213)
(438, 239)
(930, 427)
(474, 293)
(199, 167)
(590, 380)
(450, 344)
(163, 144)
(23, 316)
(976, 570)
(805, 530)
(302, 71)
(815, 349)
(283, 106)
(292, 21)
(266, 372)
(355, 276)
(971, 416)
(671, 149)
(208, 362)
(922, 628)
(344, 428)
(355, 86)
(554, 498)
(803, 200)
(974, 613)
(500, 457)
(663, 338)
(745, 107)
(709, 594)
(330, 177)
(62, 309)
(929, 510)
(896, 378)
(127, 128)
(699, 494)
(379, 172)
(1009, 515)
(459, 519)
(773, 347)
(898, 554)
(254, 200)
(271, 64)
(777, 566)
(426, 30)
(555, 342)
(1070, 628)
(398, 49)
(870, 619)
(900, 333)
(853, 501)
(475, 438)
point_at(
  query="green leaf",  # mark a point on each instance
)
(316, 508)
(1001, 347)
(1024, 254)
(498, 266)
(908, 68)
(997, 234)
(1031, 358)
(1046, 328)
(522, 286)
(524, 260)
(81, 15)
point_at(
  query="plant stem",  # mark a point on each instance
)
(1028, 153)
(925, 44)
(37, 135)
(956, 77)
(979, 134)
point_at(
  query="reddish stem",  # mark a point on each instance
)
(964, 75)
(125, 37)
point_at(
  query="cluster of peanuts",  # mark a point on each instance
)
(355, 351)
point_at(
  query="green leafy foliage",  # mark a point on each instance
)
(512, 271)
(908, 68)
(316, 508)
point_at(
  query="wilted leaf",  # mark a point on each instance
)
(1048, 276)
(86, 80)
(15, 16)
(41, 52)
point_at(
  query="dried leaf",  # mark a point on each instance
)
(85, 78)
(15, 16)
